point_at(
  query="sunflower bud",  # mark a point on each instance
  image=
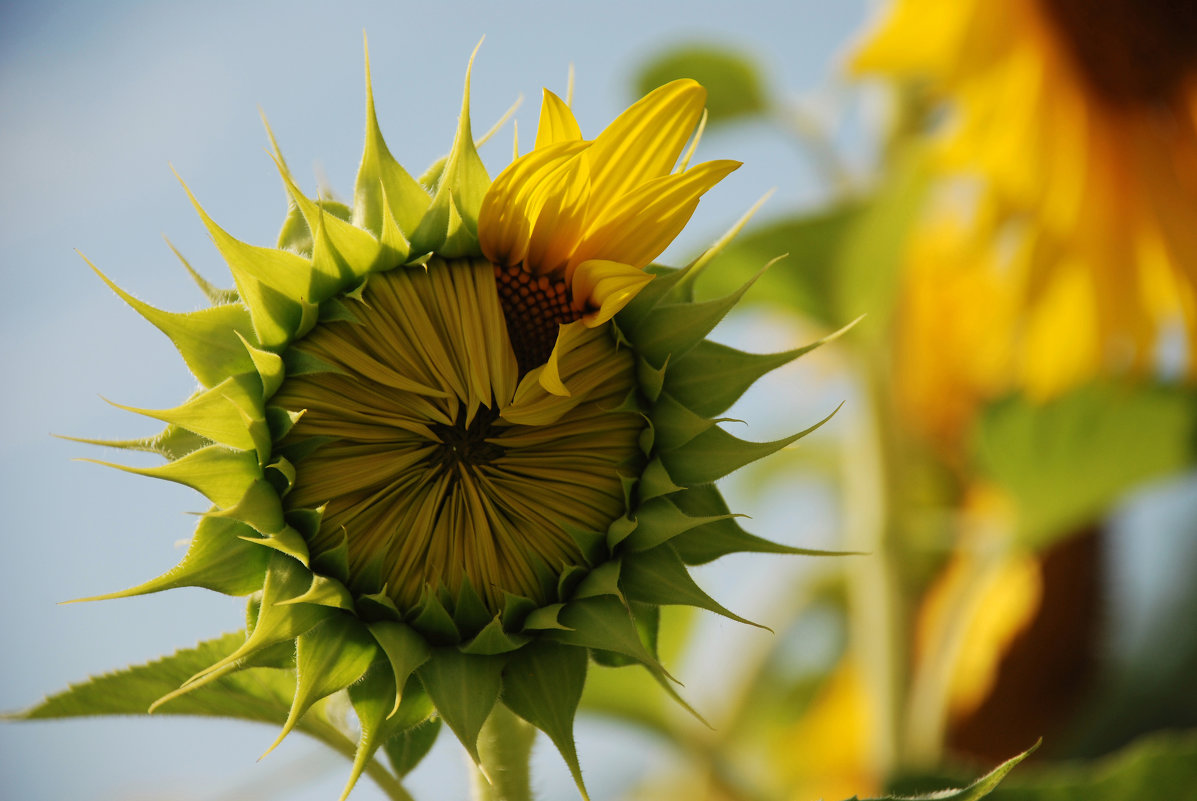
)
(458, 438)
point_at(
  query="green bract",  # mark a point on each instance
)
(361, 373)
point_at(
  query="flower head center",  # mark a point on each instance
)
(533, 306)
(467, 443)
(1131, 51)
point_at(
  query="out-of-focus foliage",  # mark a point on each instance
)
(735, 88)
(983, 501)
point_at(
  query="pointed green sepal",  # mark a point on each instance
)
(464, 688)
(605, 624)
(651, 379)
(711, 377)
(659, 576)
(373, 700)
(654, 293)
(469, 611)
(222, 475)
(215, 295)
(405, 650)
(275, 285)
(434, 621)
(715, 453)
(325, 591)
(407, 748)
(675, 328)
(217, 559)
(543, 683)
(674, 424)
(723, 536)
(286, 541)
(269, 366)
(328, 657)
(494, 640)
(660, 520)
(383, 188)
(172, 443)
(277, 621)
(208, 339)
(217, 414)
(603, 580)
(655, 481)
(545, 618)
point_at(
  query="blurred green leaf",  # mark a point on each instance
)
(981, 788)
(1067, 461)
(260, 694)
(732, 79)
(842, 262)
(802, 281)
(1163, 766)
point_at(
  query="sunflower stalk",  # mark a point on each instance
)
(505, 752)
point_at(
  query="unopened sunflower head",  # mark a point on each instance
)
(458, 439)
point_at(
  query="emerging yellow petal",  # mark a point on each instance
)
(614, 203)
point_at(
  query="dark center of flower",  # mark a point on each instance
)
(1132, 51)
(534, 307)
(466, 443)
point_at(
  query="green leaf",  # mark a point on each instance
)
(981, 788)
(543, 683)
(735, 87)
(1065, 462)
(464, 688)
(261, 694)
(1161, 765)
(805, 280)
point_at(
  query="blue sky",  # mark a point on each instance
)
(96, 100)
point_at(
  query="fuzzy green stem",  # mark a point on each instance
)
(505, 751)
(871, 522)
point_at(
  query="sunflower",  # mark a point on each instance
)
(1079, 123)
(458, 437)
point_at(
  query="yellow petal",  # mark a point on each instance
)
(510, 208)
(605, 287)
(557, 123)
(642, 223)
(561, 218)
(644, 142)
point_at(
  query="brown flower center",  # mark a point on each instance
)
(1132, 51)
(533, 306)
